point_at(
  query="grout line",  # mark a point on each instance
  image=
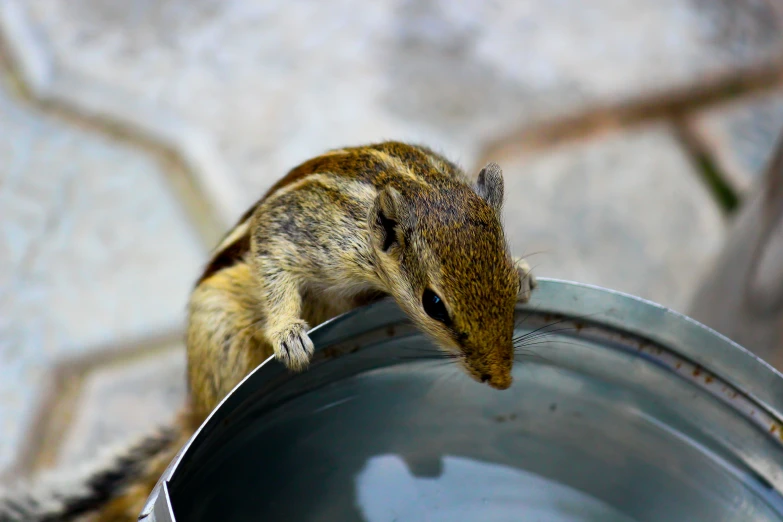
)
(600, 120)
(198, 211)
(53, 414)
(145, 122)
(59, 401)
(206, 218)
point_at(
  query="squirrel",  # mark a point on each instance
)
(341, 230)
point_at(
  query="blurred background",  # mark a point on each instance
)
(634, 135)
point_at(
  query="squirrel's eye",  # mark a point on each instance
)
(434, 306)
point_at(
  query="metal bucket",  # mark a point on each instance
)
(623, 411)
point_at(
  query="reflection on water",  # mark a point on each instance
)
(471, 490)
(404, 444)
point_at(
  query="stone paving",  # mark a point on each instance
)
(741, 136)
(132, 133)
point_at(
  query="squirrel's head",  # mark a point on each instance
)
(443, 255)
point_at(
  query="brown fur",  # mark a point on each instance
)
(313, 247)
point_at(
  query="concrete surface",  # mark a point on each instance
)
(98, 248)
(741, 135)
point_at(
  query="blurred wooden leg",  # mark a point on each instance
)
(742, 295)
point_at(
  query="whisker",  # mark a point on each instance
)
(433, 357)
(558, 341)
(518, 322)
(432, 351)
(450, 375)
(449, 372)
(527, 355)
(541, 331)
(533, 254)
(563, 320)
(539, 335)
(533, 358)
(525, 335)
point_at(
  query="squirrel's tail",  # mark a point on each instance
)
(112, 488)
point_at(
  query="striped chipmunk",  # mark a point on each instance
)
(341, 230)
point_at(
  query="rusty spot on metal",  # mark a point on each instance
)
(579, 326)
(678, 365)
(773, 429)
(708, 379)
(332, 352)
(696, 371)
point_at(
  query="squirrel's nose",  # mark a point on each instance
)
(500, 381)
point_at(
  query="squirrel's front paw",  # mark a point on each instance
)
(527, 281)
(293, 346)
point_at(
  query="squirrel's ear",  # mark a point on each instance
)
(389, 211)
(490, 185)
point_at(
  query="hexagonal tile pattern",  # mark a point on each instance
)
(624, 211)
(123, 401)
(246, 89)
(741, 136)
(94, 251)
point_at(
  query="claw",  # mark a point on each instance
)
(293, 346)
